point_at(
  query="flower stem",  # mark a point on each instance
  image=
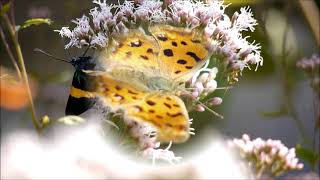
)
(20, 60)
(14, 62)
(311, 12)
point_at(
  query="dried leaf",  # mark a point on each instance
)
(35, 21)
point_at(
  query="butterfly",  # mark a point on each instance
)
(143, 76)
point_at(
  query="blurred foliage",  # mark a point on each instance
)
(5, 8)
(308, 155)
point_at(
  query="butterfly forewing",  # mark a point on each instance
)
(135, 49)
(181, 50)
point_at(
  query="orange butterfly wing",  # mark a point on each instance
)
(166, 112)
(134, 49)
(181, 50)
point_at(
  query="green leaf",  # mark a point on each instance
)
(5, 8)
(307, 155)
(36, 21)
(71, 120)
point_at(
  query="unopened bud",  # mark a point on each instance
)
(199, 108)
(215, 101)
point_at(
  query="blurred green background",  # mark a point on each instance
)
(274, 102)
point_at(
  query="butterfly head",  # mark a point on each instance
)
(83, 63)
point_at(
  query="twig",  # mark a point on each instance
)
(14, 39)
(311, 12)
(14, 62)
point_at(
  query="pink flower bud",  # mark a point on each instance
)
(215, 102)
(195, 94)
(203, 77)
(200, 108)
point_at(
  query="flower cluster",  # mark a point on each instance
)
(108, 21)
(311, 67)
(309, 64)
(266, 157)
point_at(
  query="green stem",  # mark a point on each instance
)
(16, 45)
(286, 85)
(14, 62)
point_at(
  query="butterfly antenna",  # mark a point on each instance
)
(50, 55)
(68, 52)
(210, 110)
(226, 90)
(206, 107)
(85, 52)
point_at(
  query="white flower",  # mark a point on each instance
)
(65, 32)
(82, 27)
(99, 40)
(245, 20)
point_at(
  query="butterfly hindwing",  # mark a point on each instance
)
(166, 112)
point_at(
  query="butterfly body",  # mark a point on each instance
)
(142, 76)
(79, 99)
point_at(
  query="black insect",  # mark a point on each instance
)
(81, 82)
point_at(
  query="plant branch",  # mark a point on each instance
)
(20, 60)
(14, 62)
(311, 13)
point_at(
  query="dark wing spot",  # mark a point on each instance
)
(168, 98)
(151, 103)
(139, 108)
(177, 72)
(105, 88)
(181, 127)
(195, 41)
(174, 43)
(176, 105)
(129, 54)
(162, 37)
(189, 67)
(175, 115)
(183, 43)
(156, 123)
(118, 88)
(160, 117)
(136, 44)
(150, 50)
(144, 57)
(182, 61)
(169, 125)
(134, 97)
(194, 56)
(152, 111)
(118, 96)
(168, 52)
(120, 45)
(132, 92)
(168, 105)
